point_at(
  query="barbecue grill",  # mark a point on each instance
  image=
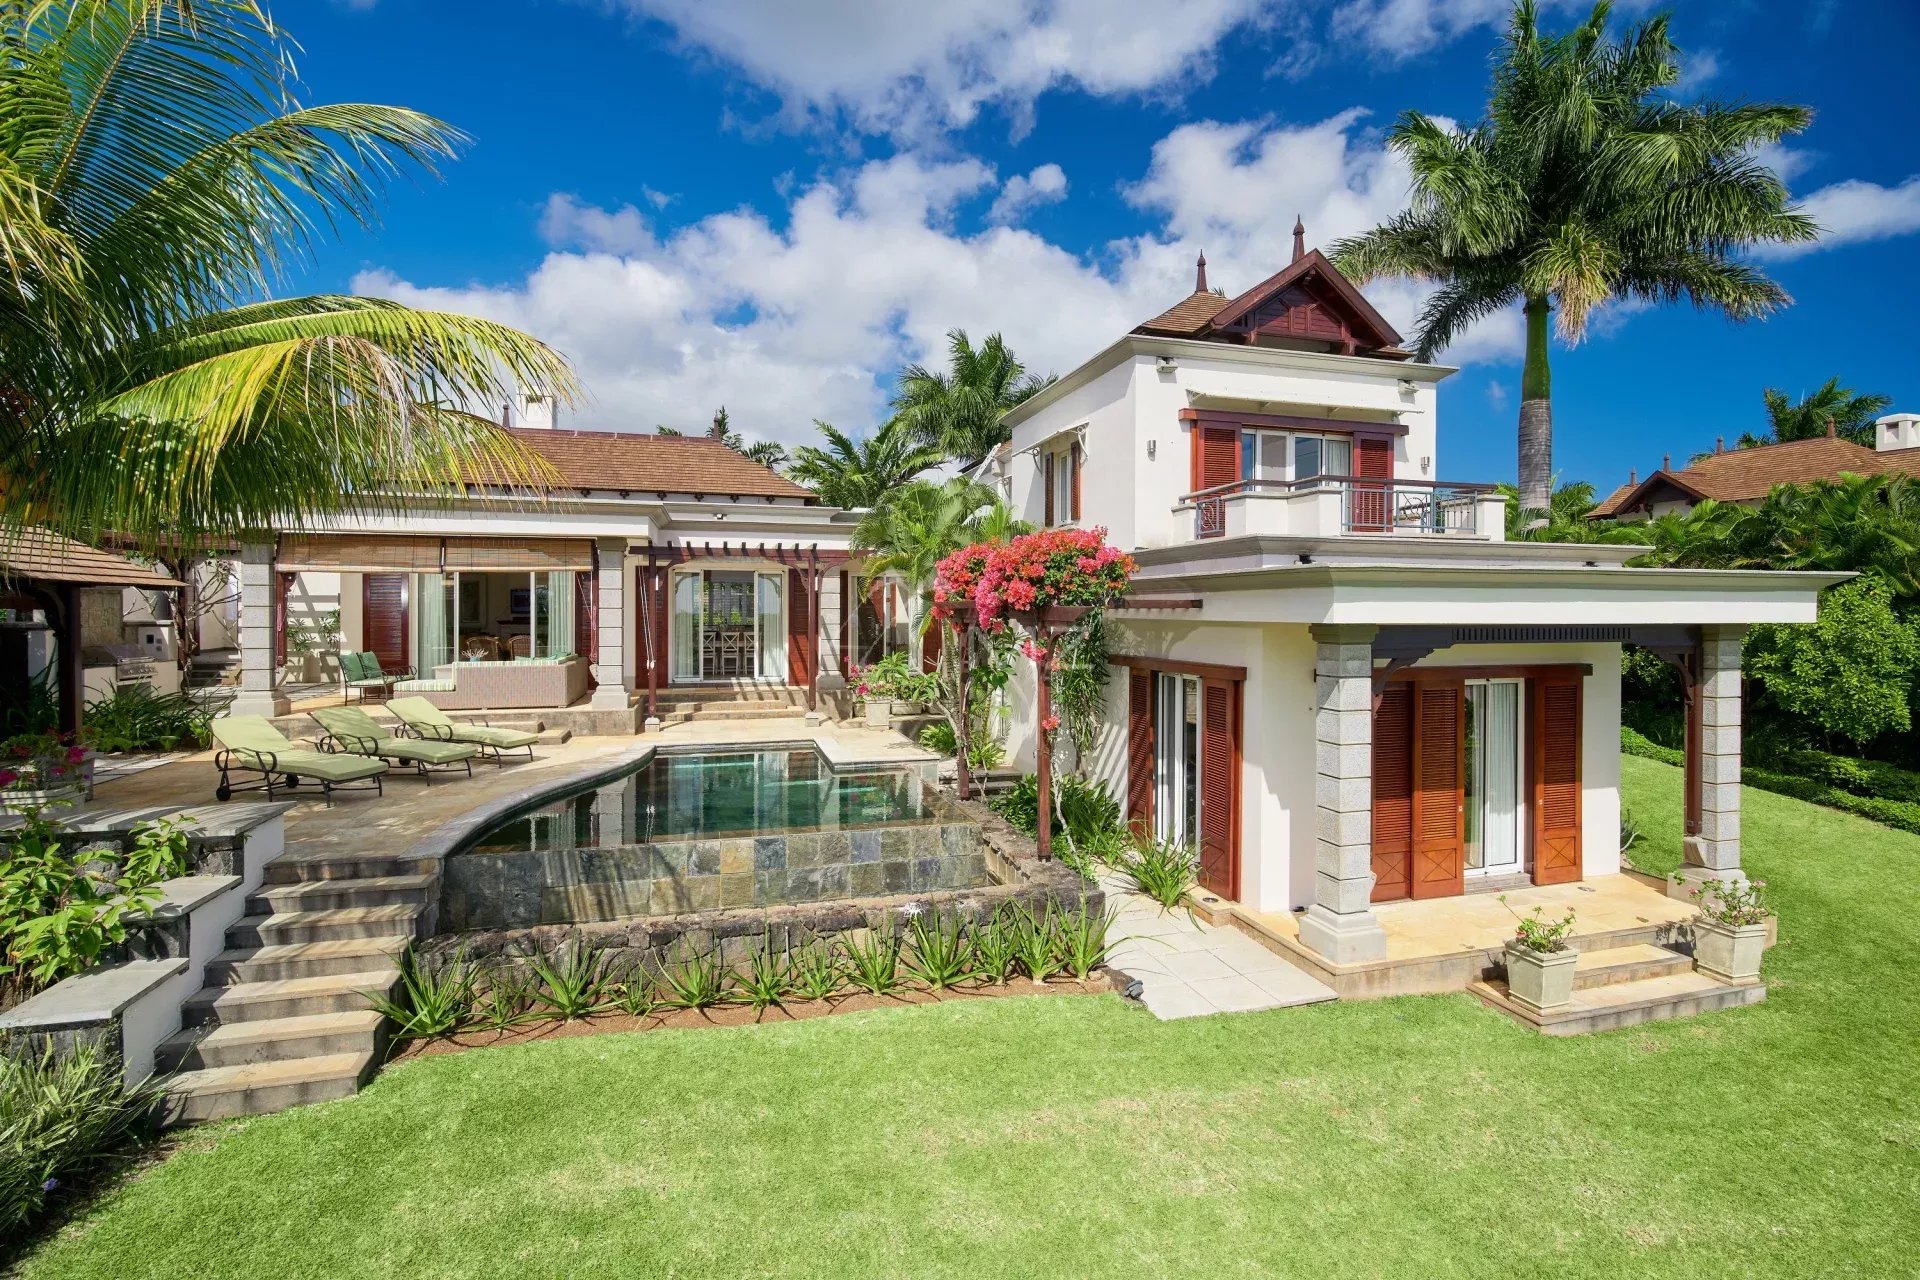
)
(130, 663)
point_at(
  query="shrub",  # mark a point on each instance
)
(1537, 933)
(1635, 743)
(985, 753)
(1161, 869)
(572, 981)
(697, 980)
(1903, 815)
(1734, 902)
(1851, 672)
(768, 977)
(59, 1121)
(1085, 809)
(62, 910)
(873, 960)
(135, 718)
(894, 677)
(942, 953)
(435, 997)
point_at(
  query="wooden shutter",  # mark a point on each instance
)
(1372, 461)
(846, 623)
(1393, 792)
(1046, 471)
(1219, 870)
(1216, 461)
(800, 629)
(383, 619)
(586, 618)
(1439, 784)
(282, 588)
(1140, 752)
(1554, 736)
(1074, 479)
(656, 589)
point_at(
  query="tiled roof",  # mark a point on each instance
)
(1190, 315)
(1747, 475)
(1211, 317)
(47, 557)
(636, 463)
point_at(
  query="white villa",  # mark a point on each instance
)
(1379, 697)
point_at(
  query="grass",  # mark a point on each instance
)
(1419, 1137)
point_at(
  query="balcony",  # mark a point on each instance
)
(1325, 506)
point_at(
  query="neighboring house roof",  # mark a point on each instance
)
(45, 556)
(1747, 475)
(635, 463)
(1307, 300)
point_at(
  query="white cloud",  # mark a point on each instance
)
(1047, 184)
(1697, 69)
(1854, 211)
(784, 320)
(1402, 29)
(913, 69)
(1786, 162)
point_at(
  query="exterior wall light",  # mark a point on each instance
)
(1152, 448)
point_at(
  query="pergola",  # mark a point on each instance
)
(39, 569)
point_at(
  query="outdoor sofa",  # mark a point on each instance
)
(509, 683)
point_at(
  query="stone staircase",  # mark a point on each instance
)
(740, 700)
(286, 1016)
(1624, 986)
(211, 668)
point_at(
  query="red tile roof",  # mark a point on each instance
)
(1747, 475)
(1211, 317)
(636, 463)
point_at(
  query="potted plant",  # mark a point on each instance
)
(891, 687)
(1539, 961)
(310, 642)
(1730, 936)
(41, 771)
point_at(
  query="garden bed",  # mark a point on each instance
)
(1101, 982)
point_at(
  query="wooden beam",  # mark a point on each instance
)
(1291, 422)
(1173, 666)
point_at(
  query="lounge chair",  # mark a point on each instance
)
(251, 744)
(353, 731)
(361, 672)
(431, 723)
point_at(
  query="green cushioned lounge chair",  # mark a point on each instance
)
(250, 744)
(360, 673)
(351, 730)
(435, 725)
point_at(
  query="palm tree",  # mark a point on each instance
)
(157, 179)
(1850, 413)
(959, 411)
(858, 473)
(770, 454)
(1584, 184)
(919, 524)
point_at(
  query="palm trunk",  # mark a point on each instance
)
(1536, 420)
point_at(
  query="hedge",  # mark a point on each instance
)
(1903, 815)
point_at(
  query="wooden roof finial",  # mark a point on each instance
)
(1719, 444)
(1200, 275)
(1666, 462)
(1299, 238)
(1633, 476)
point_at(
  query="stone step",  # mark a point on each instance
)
(734, 711)
(1615, 1005)
(357, 891)
(259, 1088)
(324, 925)
(287, 997)
(1626, 964)
(295, 870)
(236, 1044)
(303, 959)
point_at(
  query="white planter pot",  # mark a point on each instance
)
(1729, 952)
(879, 713)
(51, 798)
(1541, 980)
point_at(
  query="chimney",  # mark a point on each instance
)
(1896, 431)
(537, 411)
(1831, 432)
(1633, 477)
(1720, 444)
(1666, 462)
(1200, 275)
(718, 431)
(506, 414)
(1299, 238)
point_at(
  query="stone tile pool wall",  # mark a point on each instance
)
(520, 890)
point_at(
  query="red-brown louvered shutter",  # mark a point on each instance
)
(800, 629)
(1439, 782)
(586, 619)
(846, 623)
(383, 619)
(1216, 461)
(1075, 478)
(1219, 788)
(1046, 476)
(1555, 738)
(1372, 461)
(930, 646)
(1140, 752)
(658, 605)
(282, 588)
(1393, 792)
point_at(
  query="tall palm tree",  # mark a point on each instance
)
(158, 178)
(959, 411)
(1850, 412)
(856, 473)
(1585, 183)
(919, 524)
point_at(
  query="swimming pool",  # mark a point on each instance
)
(707, 831)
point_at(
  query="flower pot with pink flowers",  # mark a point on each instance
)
(41, 771)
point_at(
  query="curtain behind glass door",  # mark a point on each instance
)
(770, 617)
(686, 626)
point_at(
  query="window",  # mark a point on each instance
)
(1062, 478)
(1263, 455)
(1322, 456)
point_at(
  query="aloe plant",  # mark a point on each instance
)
(505, 996)
(434, 998)
(768, 977)
(573, 981)
(696, 980)
(818, 971)
(994, 948)
(942, 952)
(1084, 938)
(873, 961)
(1036, 942)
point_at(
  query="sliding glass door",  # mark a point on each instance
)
(1496, 810)
(728, 625)
(1176, 765)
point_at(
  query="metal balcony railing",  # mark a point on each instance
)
(1351, 505)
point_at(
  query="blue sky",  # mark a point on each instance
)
(773, 205)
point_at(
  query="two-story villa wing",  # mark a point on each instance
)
(1379, 700)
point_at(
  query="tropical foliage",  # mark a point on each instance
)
(918, 525)
(857, 473)
(1849, 675)
(62, 1118)
(1585, 183)
(958, 412)
(158, 177)
(1850, 412)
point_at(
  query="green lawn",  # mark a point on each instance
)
(1419, 1137)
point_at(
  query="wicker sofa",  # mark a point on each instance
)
(514, 682)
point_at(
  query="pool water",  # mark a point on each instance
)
(691, 797)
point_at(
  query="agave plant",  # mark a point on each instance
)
(1161, 869)
(942, 952)
(572, 981)
(435, 997)
(695, 980)
(873, 960)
